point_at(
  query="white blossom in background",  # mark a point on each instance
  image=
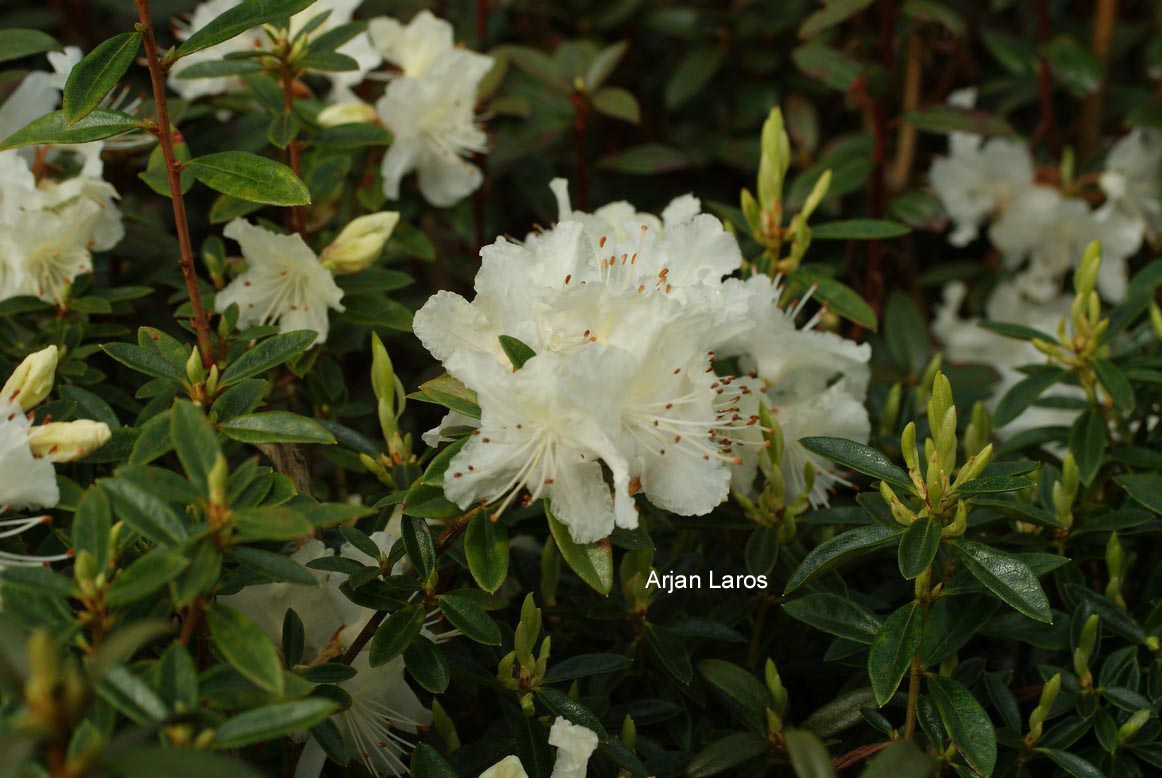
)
(964, 340)
(27, 451)
(50, 226)
(284, 282)
(575, 745)
(626, 314)
(814, 382)
(339, 12)
(1132, 181)
(430, 108)
(384, 710)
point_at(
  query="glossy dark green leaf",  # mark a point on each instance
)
(517, 352)
(97, 73)
(194, 442)
(1023, 394)
(145, 512)
(839, 549)
(836, 615)
(953, 118)
(809, 757)
(472, 620)
(585, 665)
(901, 759)
(1087, 442)
(486, 549)
(145, 576)
(98, 124)
(1006, 576)
(858, 457)
(592, 562)
(892, 650)
(563, 705)
(1115, 383)
(1146, 488)
(840, 298)
(1071, 763)
(268, 354)
(726, 754)
(859, 229)
(966, 722)
(425, 661)
(396, 633)
(276, 427)
(250, 177)
(272, 721)
(762, 550)
(992, 484)
(427, 762)
(17, 43)
(239, 19)
(918, 546)
(245, 646)
(669, 651)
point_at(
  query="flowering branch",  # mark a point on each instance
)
(286, 78)
(165, 133)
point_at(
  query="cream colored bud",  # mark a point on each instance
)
(65, 441)
(32, 380)
(353, 112)
(360, 242)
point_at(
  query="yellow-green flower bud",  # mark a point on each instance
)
(354, 112)
(359, 243)
(32, 380)
(66, 441)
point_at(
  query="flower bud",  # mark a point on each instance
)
(1133, 725)
(1085, 278)
(360, 242)
(65, 441)
(32, 380)
(776, 158)
(354, 112)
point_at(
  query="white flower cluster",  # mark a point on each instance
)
(337, 13)
(383, 707)
(1041, 234)
(285, 283)
(27, 452)
(575, 744)
(1040, 231)
(429, 104)
(625, 314)
(49, 226)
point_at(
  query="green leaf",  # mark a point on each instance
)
(918, 546)
(272, 566)
(859, 229)
(282, 129)
(449, 393)
(891, 652)
(694, 72)
(486, 549)
(831, 553)
(268, 354)
(1072, 763)
(727, 753)
(239, 19)
(1087, 441)
(669, 651)
(17, 43)
(250, 177)
(843, 300)
(953, 118)
(417, 540)
(966, 722)
(1023, 394)
(54, 127)
(829, 66)
(832, 13)
(328, 62)
(647, 159)
(395, 634)
(348, 137)
(952, 622)
(145, 512)
(427, 665)
(276, 427)
(618, 103)
(741, 691)
(195, 443)
(272, 721)
(991, 484)
(91, 526)
(901, 759)
(1074, 65)
(586, 665)
(762, 550)
(836, 615)
(1115, 383)
(245, 646)
(809, 757)
(271, 522)
(518, 353)
(144, 577)
(427, 762)
(145, 361)
(97, 73)
(1146, 488)
(593, 562)
(172, 763)
(858, 457)
(1005, 576)
(218, 68)
(603, 65)
(470, 619)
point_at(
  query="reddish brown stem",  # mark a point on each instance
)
(1105, 17)
(1047, 129)
(580, 114)
(298, 217)
(173, 173)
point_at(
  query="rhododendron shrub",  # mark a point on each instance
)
(507, 390)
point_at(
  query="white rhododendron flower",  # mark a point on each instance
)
(625, 314)
(383, 707)
(575, 744)
(27, 452)
(49, 227)
(964, 340)
(338, 13)
(814, 382)
(430, 108)
(284, 282)
(509, 767)
(1132, 180)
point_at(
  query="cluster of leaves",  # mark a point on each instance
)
(979, 609)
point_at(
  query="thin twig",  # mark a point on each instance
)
(1105, 17)
(164, 133)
